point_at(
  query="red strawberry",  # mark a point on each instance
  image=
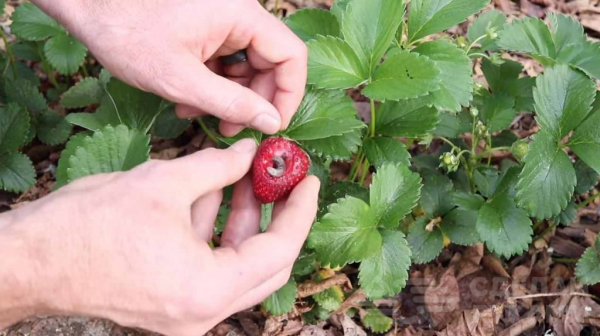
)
(279, 165)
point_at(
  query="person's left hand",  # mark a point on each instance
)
(133, 246)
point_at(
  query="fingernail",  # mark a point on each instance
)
(244, 146)
(266, 123)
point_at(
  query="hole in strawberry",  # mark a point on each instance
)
(277, 168)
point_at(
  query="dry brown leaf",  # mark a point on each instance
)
(590, 21)
(166, 154)
(249, 326)
(348, 326)
(520, 327)
(495, 266)
(442, 299)
(310, 288)
(353, 301)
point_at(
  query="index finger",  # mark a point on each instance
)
(275, 47)
(262, 256)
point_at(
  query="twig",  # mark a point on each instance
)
(310, 288)
(541, 295)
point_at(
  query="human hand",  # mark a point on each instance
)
(132, 247)
(171, 48)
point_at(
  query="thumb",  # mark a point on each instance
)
(200, 88)
(208, 170)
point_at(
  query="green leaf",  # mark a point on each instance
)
(14, 124)
(376, 321)
(568, 215)
(336, 147)
(2, 6)
(434, 195)
(451, 126)
(584, 56)
(308, 23)
(548, 179)
(493, 20)
(23, 72)
(332, 64)
(105, 115)
(404, 75)
(585, 141)
(53, 129)
(381, 150)
(86, 92)
(427, 17)
(137, 109)
(460, 226)
(76, 141)
(369, 26)
(385, 273)
(330, 299)
(467, 200)
(26, 50)
(348, 233)
(168, 125)
(563, 98)
(109, 150)
(426, 241)
(24, 93)
(31, 24)
(305, 264)
(505, 228)
(339, 190)
(486, 179)
(323, 114)
(246, 133)
(530, 36)
(456, 86)
(588, 266)
(283, 300)
(504, 79)
(565, 30)
(326, 124)
(339, 8)
(65, 53)
(407, 118)
(394, 193)
(16, 172)
(587, 178)
(496, 110)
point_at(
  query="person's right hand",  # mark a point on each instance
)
(133, 247)
(171, 48)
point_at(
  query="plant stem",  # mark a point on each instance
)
(276, 9)
(588, 201)
(52, 78)
(208, 132)
(494, 150)
(565, 260)
(365, 171)
(489, 143)
(355, 164)
(84, 71)
(447, 141)
(545, 232)
(473, 43)
(11, 56)
(372, 118)
(479, 54)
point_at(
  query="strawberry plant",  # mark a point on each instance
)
(434, 162)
